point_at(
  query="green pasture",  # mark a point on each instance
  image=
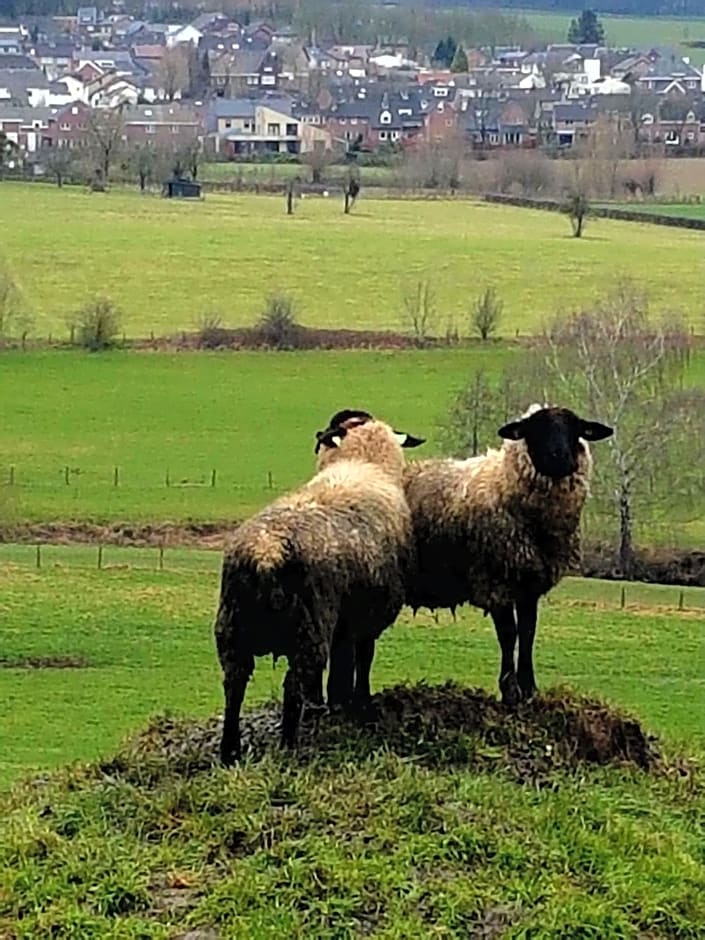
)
(264, 173)
(250, 416)
(640, 32)
(680, 210)
(141, 641)
(362, 840)
(167, 263)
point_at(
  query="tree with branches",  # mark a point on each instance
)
(58, 162)
(105, 128)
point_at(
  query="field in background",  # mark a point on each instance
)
(679, 210)
(250, 416)
(168, 263)
(140, 641)
(628, 31)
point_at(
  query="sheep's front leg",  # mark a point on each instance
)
(506, 627)
(527, 615)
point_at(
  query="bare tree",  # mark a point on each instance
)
(486, 313)
(351, 189)
(419, 310)
(470, 418)
(317, 160)
(15, 319)
(143, 160)
(173, 72)
(105, 128)
(527, 173)
(187, 159)
(58, 161)
(576, 208)
(604, 149)
(615, 361)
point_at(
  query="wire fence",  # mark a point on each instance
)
(110, 559)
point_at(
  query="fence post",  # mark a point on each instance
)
(12, 475)
(166, 478)
(161, 558)
(116, 476)
(39, 557)
(623, 601)
(681, 601)
(66, 475)
(270, 480)
(100, 557)
(212, 477)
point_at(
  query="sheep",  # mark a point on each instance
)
(500, 530)
(328, 559)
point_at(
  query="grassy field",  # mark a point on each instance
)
(168, 263)
(246, 415)
(684, 210)
(362, 840)
(274, 172)
(143, 640)
(628, 31)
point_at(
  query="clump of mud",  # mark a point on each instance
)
(438, 725)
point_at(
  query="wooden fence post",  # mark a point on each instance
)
(66, 475)
(100, 557)
(12, 475)
(623, 601)
(39, 557)
(161, 558)
(212, 477)
(116, 476)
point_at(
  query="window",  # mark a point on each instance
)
(291, 130)
(228, 124)
(269, 79)
(382, 135)
(248, 126)
(394, 135)
(385, 117)
(174, 128)
(149, 129)
(253, 79)
(65, 127)
(353, 120)
(273, 129)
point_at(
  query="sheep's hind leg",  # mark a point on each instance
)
(234, 684)
(341, 672)
(303, 682)
(364, 654)
(527, 613)
(506, 628)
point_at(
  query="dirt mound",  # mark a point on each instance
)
(439, 725)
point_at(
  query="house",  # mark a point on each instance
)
(571, 121)
(67, 126)
(675, 123)
(112, 90)
(245, 71)
(12, 40)
(176, 35)
(495, 123)
(682, 79)
(54, 58)
(395, 117)
(242, 126)
(168, 125)
(26, 87)
(25, 126)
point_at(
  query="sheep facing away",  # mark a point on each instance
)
(500, 530)
(326, 560)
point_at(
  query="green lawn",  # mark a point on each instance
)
(685, 210)
(247, 415)
(629, 31)
(146, 640)
(364, 840)
(167, 263)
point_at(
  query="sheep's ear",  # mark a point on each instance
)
(594, 431)
(332, 437)
(408, 440)
(514, 431)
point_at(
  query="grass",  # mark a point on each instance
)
(274, 172)
(343, 845)
(247, 415)
(146, 640)
(628, 31)
(684, 210)
(166, 263)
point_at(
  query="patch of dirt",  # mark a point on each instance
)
(439, 725)
(303, 337)
(44, 662)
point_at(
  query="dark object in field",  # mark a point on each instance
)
(326, 564)
(45, 662)
(438, 725)
(180, 188)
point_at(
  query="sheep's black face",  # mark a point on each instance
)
(552, 438)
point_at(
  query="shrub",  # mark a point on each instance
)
(487, 313)
(277, 326)
(211, 333)
(419, 310)
(97, 325)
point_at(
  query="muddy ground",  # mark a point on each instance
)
(658, 566)
(438, 725)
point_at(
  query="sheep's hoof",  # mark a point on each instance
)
(509, 689)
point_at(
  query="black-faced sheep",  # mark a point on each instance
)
(329, 558)
(500, 530)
